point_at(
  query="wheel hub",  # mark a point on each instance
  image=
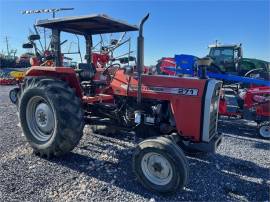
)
(44, 117)
(156, 168)
(40, 118)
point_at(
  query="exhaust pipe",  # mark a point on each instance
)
(203, 63)
(140, 58)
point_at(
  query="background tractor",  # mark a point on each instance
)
(229, 59)
(171, 113)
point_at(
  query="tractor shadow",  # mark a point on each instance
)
(210, 176)
(235, 178)
(243, 130)
(238, 127)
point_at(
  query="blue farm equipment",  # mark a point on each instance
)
(187, 65)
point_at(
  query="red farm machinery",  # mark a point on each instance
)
(172, 113)
(252, 104)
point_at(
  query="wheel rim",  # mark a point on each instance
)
(265, 131)
(40, 118)
(156, 168)
(13, 96)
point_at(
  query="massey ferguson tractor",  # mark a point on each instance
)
(171, 113)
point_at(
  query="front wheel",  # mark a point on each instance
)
(13, 95)
(264, 129)
(160, 165)
(51, 116)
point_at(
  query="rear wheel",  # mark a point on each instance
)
(51, 116)
(264, 129)
(160, 165)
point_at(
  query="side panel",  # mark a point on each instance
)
(187, 115)
(64, 73)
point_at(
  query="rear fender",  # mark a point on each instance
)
(66, 74)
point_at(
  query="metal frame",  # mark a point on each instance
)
(83, 25)
(56, 47)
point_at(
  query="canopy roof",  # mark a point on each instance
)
(225, 46)
(86, 25)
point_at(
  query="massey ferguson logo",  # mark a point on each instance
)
(179, 91)
(188, 91)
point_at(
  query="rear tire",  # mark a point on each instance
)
(160, 165)
(264, 129)
(51, 116)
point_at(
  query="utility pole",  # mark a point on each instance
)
(7, 45)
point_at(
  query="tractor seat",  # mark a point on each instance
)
(85, 71)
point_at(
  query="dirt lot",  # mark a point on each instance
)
(100, 168)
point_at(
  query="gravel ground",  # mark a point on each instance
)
(100, 167)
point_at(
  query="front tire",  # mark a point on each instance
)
(51, 116)
(13, 95)
(160, 165)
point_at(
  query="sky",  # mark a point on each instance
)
(174, 27)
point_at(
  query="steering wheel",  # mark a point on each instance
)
(107, 73)
(249, 73)
(47, 63)
(259, 71)
(48, 60)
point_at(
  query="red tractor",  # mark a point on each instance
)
(250, 104)
(171, 113)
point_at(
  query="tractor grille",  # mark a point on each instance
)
(211, 110)
(214, 112)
